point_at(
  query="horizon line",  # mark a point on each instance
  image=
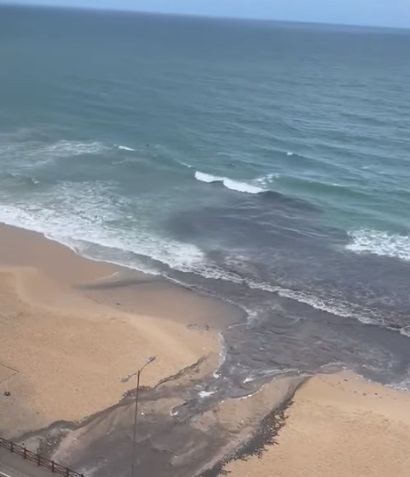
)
(12, 4)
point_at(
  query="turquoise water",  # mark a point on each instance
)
(266, 163)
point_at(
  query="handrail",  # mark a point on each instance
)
(39, 460)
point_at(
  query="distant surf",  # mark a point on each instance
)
(125, 148)
(228, 183)
(25, 150)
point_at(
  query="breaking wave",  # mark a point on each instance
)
(228, 183)
(125, 148)
(379, 243)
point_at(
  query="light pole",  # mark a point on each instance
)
(134, 435)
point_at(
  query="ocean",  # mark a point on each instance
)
(264, 163)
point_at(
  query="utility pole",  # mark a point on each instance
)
(137, 392)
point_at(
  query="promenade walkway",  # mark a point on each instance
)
(17, 461)
(12, 465)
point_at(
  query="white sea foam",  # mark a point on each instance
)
(262, 286)
(405, 331)
(228, 183)
(205, 394)
(289, 153)
(125, 148)
(380, 243)
(266, 180)
(331, 305)
(31, 153)
(201, 176)
(335, 307)
(401, 385)
(72, 148)
(81, 216)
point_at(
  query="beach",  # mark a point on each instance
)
(228, 196)
(71, 328)
(338, 426)
(63, 354)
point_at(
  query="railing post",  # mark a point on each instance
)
(11, 447)
(25, 453)
(38, 459)
(67, 472)
(52, 466)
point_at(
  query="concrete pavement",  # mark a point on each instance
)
(12, 465)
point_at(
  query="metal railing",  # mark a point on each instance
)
(38, 459)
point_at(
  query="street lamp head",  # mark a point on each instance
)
(147, 362)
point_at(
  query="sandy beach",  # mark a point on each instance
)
(71, 328)
(338, 426)
(62, 353)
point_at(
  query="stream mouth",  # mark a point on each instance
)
(178, 432)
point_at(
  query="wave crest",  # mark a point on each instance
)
(228, 183)
(380, 243)
(124, 148)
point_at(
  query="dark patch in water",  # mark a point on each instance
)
(306, 294)
(291, 202)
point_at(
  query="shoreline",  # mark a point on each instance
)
(72, 327)
(66, 342)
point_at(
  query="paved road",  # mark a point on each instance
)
(12, 465)
(6, 471)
